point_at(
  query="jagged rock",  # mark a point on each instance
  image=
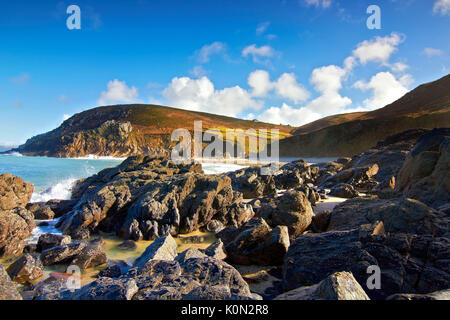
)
(256, 243)
(425, 174)
(216, 250)
(321, 221)
(408, 263)
(192, 239)
(14, 192)
(41, 211)
(51, 289)
(107, 289)
(338, 286)
(8, 290)
(61, 207)
(164, 248)
(91, 256)
(15, 226)
(26, 269)
(344, 190)
(50, 240)
(292, 209)
(439, 295)
(251, 183)
(190, 253)
(398, 215)
(361, 178)
(294, 174)
(61, 254)
(114, 269)
(173, 290)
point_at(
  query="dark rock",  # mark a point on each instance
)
(344, 190)
(216, 250)
(91, 256)
(61, 254)
(61, 207)
(50, 240)
(338, 286)
(26, 269)
(14, 192)
(251, 183)
(107, 289)
(51, 289)
(114, 269)
(127, 245)
(321, 221)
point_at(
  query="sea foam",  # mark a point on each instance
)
(61, 191)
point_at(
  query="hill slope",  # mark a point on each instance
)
(124, 130)
(427, 106)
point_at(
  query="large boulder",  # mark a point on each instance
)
(14, 192)
(15, 226)
(91, 256)
(164, 248)
(8, 290)
(255, 243)
(295, 174)
(292, 209)
(408, 263)
(63, 254)
(397, 215)
(338, 286)
(251, 183)
(425, 174)
(26, 269)
(50, 240)
(106, 289)
(344, 190)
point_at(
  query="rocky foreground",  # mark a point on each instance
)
(396, 218)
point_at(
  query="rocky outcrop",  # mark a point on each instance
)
(256, 243)
(26, 269)
(344, 190)
(50, 240)
(164, 248)
(425, 174)
(292, 209)
(91, 256)
(398, 215)
(338, 286)
(14, 192)
(41, 211)
(8, 290)
(15, 226)
(251, 183)
(408, 263)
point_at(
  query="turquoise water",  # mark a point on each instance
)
(52, 177)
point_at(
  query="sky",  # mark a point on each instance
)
(279, 61)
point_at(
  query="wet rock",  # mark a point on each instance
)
(15, 226)
(344, 190)
(61, 254)
(256, 243)
(26, 269)
(338, 286)
(107, 289)
(292, 209)
(14, 192)
(128, 245)
(90, 256)
(398, 215)
(164, 248)
(216, 250)
(8, 290)
(50, 240)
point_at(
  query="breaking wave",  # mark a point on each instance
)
(61, 191)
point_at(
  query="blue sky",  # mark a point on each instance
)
(281, 61)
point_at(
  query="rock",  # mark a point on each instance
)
(338, 286)
(15, 226)
(51, 289)
(14, 192)
(216, 250)
(61, 207)
(30, 248)
(439, 295)
(321, 221)
(408, 263)
(256, 243)
(114, 269)
(292, 209)
(127, 245)
(425, 174)
(164, 248)
(190, 253)
(107, 289)
(8, 290)
(295, 174)
(398, 215)
(209, 293)
(26, 269)
(50, 240)
(361, 178)
(214, 226)
(251, 183)
(91, 256)
(44, 213)
(173, 290)
(192, 239)
(344, 190)
(61, 254)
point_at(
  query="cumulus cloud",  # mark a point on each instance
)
(442, 7)
(378, 49)
(319, 3)
(432, 52)
(258, 52)
(118, 92)
(205, 53)
(200, 95)
(385, 87)
(286, 86)
(288, 115)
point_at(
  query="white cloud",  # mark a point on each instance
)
(378, 49)
(286, 86)
(432, 52)
(262, 27)
(258, 52)
(198, 71)
(118, 92)
(399, 67)
(21, 78)
(205, 53)
(288, 115)
(442, 7)
(319, 3)
(386, 89)
(200, 95)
